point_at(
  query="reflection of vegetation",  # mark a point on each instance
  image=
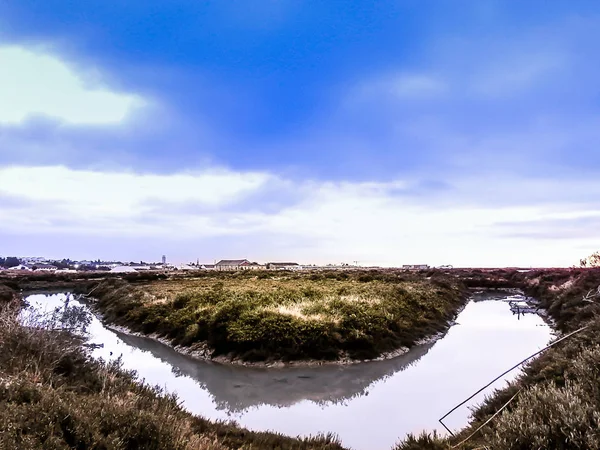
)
(288, 317)
(236, 388)
(54, 396)
(68, 317)
(558, 401)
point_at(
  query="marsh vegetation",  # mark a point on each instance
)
(45, 373)
(286, 317)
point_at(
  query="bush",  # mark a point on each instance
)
(425, 441)
(6, 294)
(553, 417)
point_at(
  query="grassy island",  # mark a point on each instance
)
(284, 316)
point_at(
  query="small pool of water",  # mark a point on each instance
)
(368, 405)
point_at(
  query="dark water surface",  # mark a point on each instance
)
(369, 405)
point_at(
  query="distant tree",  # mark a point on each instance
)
(64, 264)
(12, 261)
(591, 261)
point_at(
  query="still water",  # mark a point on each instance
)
(368, 405)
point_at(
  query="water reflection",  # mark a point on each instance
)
(236, 388)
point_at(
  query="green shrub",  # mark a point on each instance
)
(425, 441)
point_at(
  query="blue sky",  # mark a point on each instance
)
(391, 132)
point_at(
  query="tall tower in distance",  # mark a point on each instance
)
(164, 260)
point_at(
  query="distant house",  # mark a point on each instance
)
(415, 267)
(231, 264)
(283, 266)
(207, 266)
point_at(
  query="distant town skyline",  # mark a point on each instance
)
(390, 133)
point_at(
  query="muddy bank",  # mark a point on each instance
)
(205, 354)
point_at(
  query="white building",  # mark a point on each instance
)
(20, 267)
(123, 269)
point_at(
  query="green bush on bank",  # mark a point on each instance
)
(424, 441)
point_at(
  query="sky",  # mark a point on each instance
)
(462, 132)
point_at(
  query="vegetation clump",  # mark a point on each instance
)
(6, 294)
(288, 317)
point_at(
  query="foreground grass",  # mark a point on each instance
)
(558, 395)
(286, 317)
(53, 396)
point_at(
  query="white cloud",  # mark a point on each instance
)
(517, 73)
(114, 201)
(33, 83)
(402, 86)
(416, 85)
(378, 223)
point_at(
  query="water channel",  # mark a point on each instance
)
(368, 405)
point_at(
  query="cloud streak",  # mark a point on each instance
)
(376, 222)
(37, 84)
